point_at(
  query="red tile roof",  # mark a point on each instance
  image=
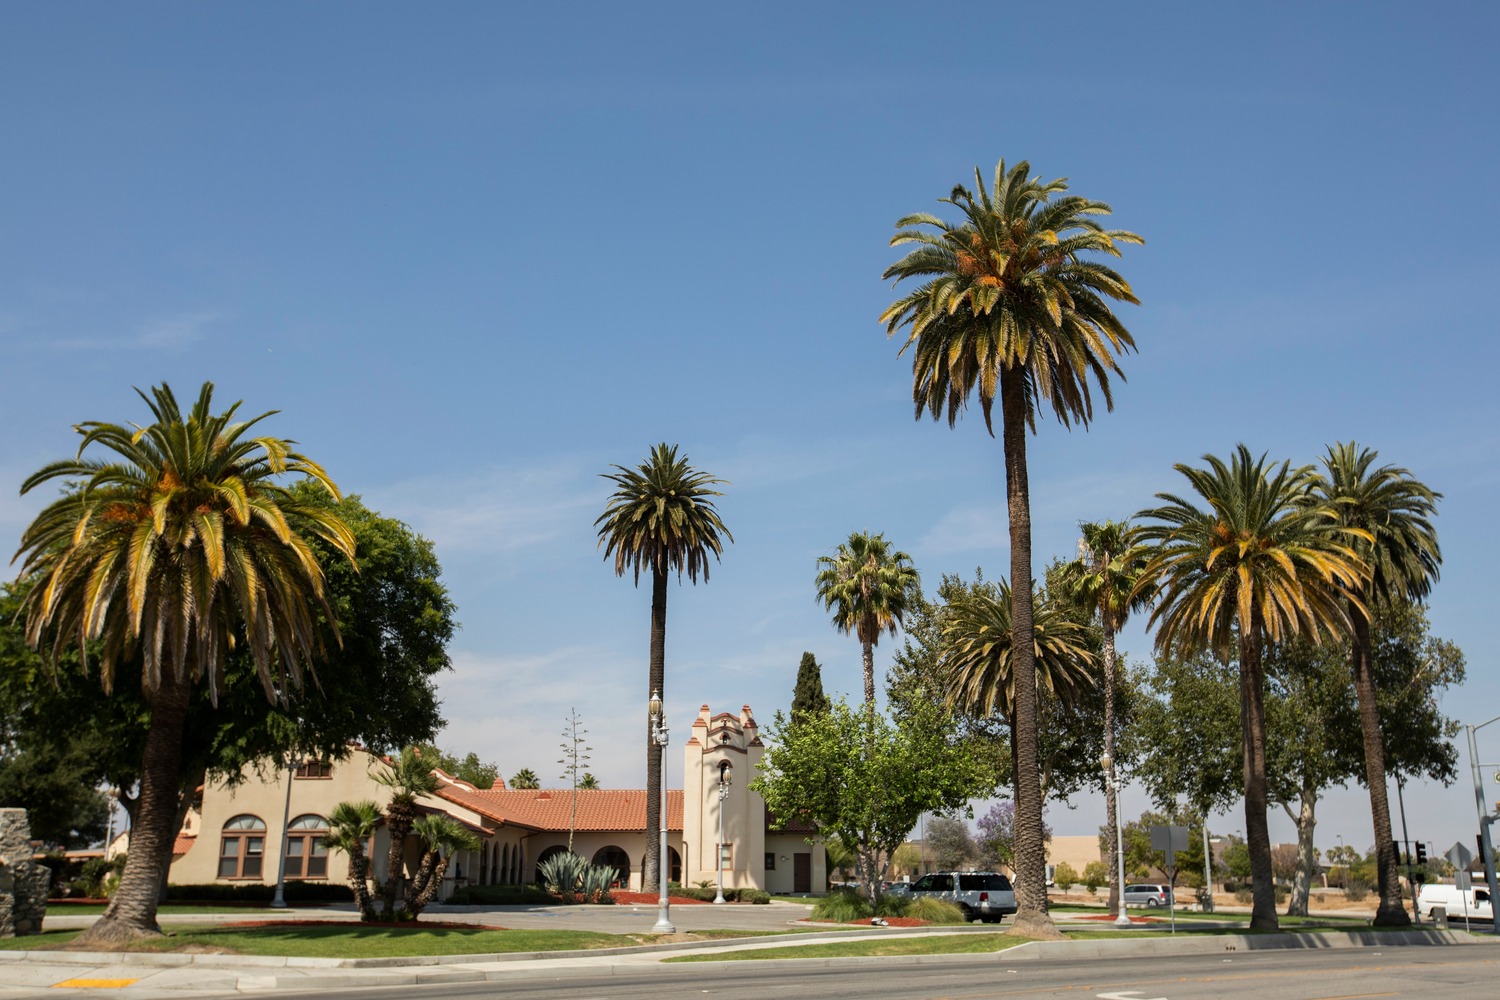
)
(182, 845)
(551, 809)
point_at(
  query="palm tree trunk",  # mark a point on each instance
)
(867, 651)
(651, 859)
(398, 819)
(1391, 911)
(1253, 726)
(1307, 855)
(1031, 859)
(359, 879)
(131, 913)
(1111, 802)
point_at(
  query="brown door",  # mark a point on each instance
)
(802, 872)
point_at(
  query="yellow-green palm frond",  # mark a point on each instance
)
(178, 543)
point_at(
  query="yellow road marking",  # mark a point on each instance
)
(99, 984)
(1358, 996)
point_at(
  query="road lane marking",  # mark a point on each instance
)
(1125, 995)
(92, 984)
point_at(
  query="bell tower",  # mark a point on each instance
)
(719, 760)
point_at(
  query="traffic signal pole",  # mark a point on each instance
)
(1486, 845)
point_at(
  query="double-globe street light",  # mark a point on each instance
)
(660, 737)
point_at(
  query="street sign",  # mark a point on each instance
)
(1463, 880)
(1459, 855)
(1169, 838)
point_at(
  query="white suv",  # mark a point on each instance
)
(1148, 894)
(985, 896)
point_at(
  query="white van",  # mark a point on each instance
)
(1475, 902)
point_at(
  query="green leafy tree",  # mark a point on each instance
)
(1141, 859)
(178, 546)
(1256, 563)
(997, 835)
(866, 784)
(661, 517)
(470, 768)
(869, 587)
(525, 778)
(1103, 579)
(1391, 512)
(808, 697)
(1013, 300)
(949, 843)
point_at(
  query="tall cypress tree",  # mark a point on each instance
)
(808, 698)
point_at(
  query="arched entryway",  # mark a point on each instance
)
(617, 859)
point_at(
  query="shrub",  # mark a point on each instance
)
(595, 881)
(1356, 889)
(757, 896)
(1065, 875)
(841, 906)
(892, 906)
(294, 892)
(1244, 895)
(935, 911)
(1094, 875)
(709, 893)
(1281, 893)
(500, 895)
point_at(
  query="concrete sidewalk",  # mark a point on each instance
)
(185, 975)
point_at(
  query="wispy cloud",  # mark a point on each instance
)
(166, 333)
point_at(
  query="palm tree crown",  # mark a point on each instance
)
(1257, 557)
(178, 540)
(662, 516)
(977, 651)
(1395, 509)
(869, 587)
(1103, 578)
(1010, 287)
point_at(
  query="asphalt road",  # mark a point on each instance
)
(1448, 973)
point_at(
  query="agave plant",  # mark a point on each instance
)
(596, 882)
(562, 873)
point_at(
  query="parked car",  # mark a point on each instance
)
(985, 896)
(1148, 894)
(1474, 902)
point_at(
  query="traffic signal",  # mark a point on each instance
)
(1421, 853)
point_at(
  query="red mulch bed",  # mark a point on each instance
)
(397, 924)
(651, 898)
(890, 922)
(1112, 917)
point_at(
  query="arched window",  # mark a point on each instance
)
(306, 854)
(616, 859)
(505, 863)
(674, 865)
(242, 847)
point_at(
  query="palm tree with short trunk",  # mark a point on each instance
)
(1013, 302)
(525, 778)
(441, 835)
(177, 546)
(409, 778)
(350, 827)
(1396, 510)
(1102, 580)
(661, 517)
(1250, 561)
(869, 587)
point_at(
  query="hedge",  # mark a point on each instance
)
(499, 895)
(255, 892)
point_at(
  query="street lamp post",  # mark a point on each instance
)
(1487, 846)
(724, 771)
(1108, 763)
(659, 735)
(286, 814)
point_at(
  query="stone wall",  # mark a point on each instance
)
(23, 882)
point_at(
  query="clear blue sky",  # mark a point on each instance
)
(476, 253)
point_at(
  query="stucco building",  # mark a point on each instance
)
(241, 832)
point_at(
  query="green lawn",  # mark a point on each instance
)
(954, 944)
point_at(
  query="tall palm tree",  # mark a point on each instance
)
(869, 588)
(179, 545)
(409, 777)
(350, 827)
(661, 517)
(1103, 579)
(1396, 510)
(1256, 563)
(1012, 300)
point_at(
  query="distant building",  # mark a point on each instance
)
(237, 832)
